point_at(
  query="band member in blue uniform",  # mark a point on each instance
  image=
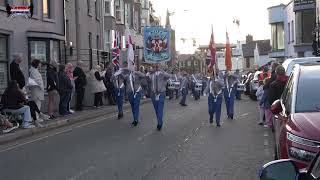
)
(134, 90)
(118, 81)
(196, 86)
(184, 88)
(215, 91)
(229, 93)
(173, 86)
(159, 80)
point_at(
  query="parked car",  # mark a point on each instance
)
(254, 85)
(296, 122)
(289, 63)
(287, 170)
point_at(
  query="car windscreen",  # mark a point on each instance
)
(308, 93)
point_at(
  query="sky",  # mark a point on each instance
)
(194, 18)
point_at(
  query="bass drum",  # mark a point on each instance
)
(198, 87)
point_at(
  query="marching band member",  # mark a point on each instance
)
(158, 88)
(238, 76)
(173, 86)
(215, 90)
(229, 93)
(134, 90)
(184, 88)
(118, 81)
(196, 86)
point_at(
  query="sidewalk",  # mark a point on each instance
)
(87, 114)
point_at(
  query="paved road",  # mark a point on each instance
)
(188, 147)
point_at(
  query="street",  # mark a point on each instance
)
(188, 147)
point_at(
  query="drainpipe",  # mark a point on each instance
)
(78, 42)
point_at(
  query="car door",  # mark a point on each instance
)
(281, 119)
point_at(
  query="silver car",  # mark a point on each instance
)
(289, 63)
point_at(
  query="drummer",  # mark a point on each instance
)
(238, 77)
(196, 86)
(184, 88)
(229, 93)
(173, 85)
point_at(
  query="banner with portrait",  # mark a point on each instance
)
(157, 46)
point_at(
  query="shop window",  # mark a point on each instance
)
(3, 63)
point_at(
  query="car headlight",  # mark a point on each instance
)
(302, 141)
(301, 154)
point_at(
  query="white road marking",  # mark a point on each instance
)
(266, 134)
(81, 173)
(145, 135)
(57, 133)
(266, 142)
(245, 114)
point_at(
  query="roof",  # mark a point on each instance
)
(263, 46)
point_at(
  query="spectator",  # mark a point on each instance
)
(265, 103)
(37, 89)
(13, 100)
(69, 71)
(98, 86)
(273, 71)
(15, 70)
(52, 87)
(80, 83)
(65, 90)
(109, 85)
(259, 95)
(277, 86)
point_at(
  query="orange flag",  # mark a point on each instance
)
(228, 61)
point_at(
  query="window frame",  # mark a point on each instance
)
(300, 27)
(292, 31)
(6, 37)
(109, 8)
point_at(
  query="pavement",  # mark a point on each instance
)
(188, 147)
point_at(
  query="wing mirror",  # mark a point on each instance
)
(276, 107)
(286, 170)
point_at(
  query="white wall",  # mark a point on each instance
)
(289, 16)
(236, 64)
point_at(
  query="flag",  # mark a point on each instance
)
(228, 61)
(116, 50)
(130, 52)
(213, 50)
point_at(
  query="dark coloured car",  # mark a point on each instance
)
(297, 117)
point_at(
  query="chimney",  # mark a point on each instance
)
(249, 38)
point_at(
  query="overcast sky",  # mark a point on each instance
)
(193, 19)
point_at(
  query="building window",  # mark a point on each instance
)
(119, 6)
(46, 8)
(39, 51)
(107, 40)
(277, 36)
(107, 7)
(289, 35)
(305, 24)
(3, 63)
(292, 31)
(89, 6)
(96, 10)
(247, 62)
(98, 42)
(189, 63)
(90, 40)
(3, 3)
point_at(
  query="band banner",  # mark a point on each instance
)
(157, 44)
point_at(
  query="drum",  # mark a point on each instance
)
(240, 87)
(171, 85)
(198, 87)
(176, 85)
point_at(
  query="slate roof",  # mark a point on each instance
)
(263, 46)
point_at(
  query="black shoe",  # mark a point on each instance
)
(120, 115)
(52, 117)
(218, 125)
(260, 123)
(231, 117)
(211, 121)
(134, 123)
(183, 105)
(159, 127)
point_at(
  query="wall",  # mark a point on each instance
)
(276, 14)
(288, 18)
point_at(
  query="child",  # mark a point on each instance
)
(266, 104)
(259, 95)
